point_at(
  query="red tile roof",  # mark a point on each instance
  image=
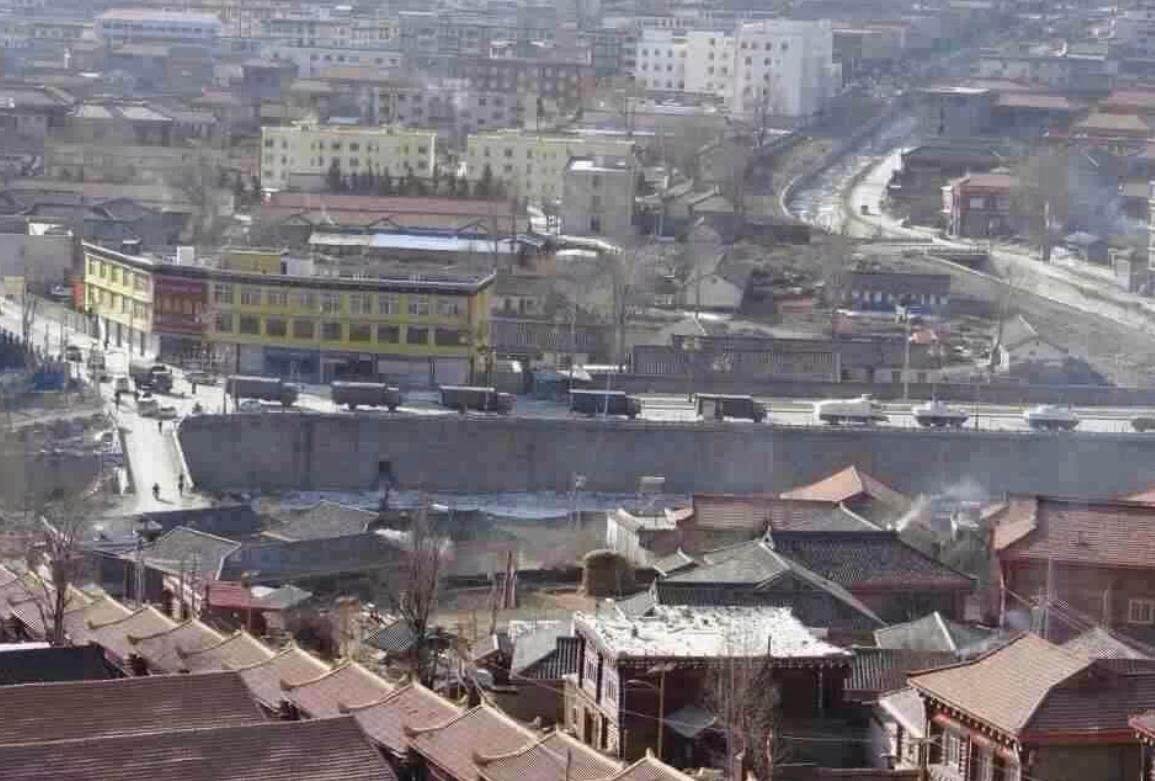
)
(1095, 532)
(850, 483)
(234, 652)
(123, 706)
(412, 707)
(555, 756)
(319, 750)
(163, 650)
(481, 731)
(347, 685)
(267, 679)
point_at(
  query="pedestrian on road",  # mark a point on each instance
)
(180, 484)
(156, 491)
(194, 388)
(160, 427)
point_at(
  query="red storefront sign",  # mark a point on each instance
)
(180, 305)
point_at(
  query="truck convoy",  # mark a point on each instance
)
(366, 394)
(719, 407)
(262, 388)
(937, 414)
(464, 397)
(604, 402)
(1051, 417)
(863, 411)
(150, 376)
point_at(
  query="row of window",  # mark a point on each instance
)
(113, 303)
(356, 304)
(117, 275)
(334, 331)
(769, 45)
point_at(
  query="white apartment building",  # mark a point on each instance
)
(307, 149)
(710, 63)
(700, 62)
(784, 68)
(660, 61)
(118, 26)
(532, 166)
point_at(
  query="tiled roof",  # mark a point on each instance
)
(649, 768)
(115, 635)
(555, 756)
(234, 652)
(1106, 533)
(123, 706)
(324, 519)
(856, 560)
(278, 562)
(637, 605)
(1004, 687)
(163, 651)
(79, 623)
(292, 665)
(878, 670)
(53, 665)
(394, 637)
(188, 550)
(1101, 643)
(850, 483)
(316, 750)
(347, 685)
(482, 730)
(1144, 723)
(534, 640)
(675, 562)
(932, 632)
(758, 513)
(411, 707)
(561, 661)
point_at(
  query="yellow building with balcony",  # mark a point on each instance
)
(418, 331)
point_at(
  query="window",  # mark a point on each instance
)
(360, 304)
(952, 750)
(360, 332)
(277, 327)
(250, 325)
(448, 307)
(416, 335)
(388, 334)
(303, 329)
(223, 294)
(331, 331)
(419, 306)
(1141, 611)
(224, 322)
(307, 300)
(250, 296)
(330, 303)
(387, 304)
(449, 337)
(277, 298)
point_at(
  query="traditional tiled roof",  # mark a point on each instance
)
(1144, 724)
(292, 665)
(932, 632)
(231, 521)
(53, 665)
(648, 768)
(395, 637)
(317, 750)
(850, 483)
(561, 661)
(123, 706)
(534, 640)
(234, 652)
(412, 707)
(324, 519)
(1097, 532)
(757, 513)
(278, 562)
(79, 624)
(163, 650)
(1101, 643)
(555, 756)
(857, 560)
(347, 685)
(188, 551)
(480, 731)
(675, 562)
(878, 670)
(116, 636)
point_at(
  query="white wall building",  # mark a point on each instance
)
(145, 25)
(710, 63)
(660, 61)
(694, 61)
(784, 67)
(310, 150)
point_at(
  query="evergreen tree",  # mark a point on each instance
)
(333, 179)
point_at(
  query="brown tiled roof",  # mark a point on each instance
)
(292, 665)
(555, 756)
(1127, 124)
(238, 650)
(1107, 533)
(648, 768)
(483, 730)
(850, 483)
(1129, 99)
(1036, 101)
(347, 685)
(123, 706)
(115, 635)
(163, 651)
(79, 623)
(411, 707)
(756, 512)
(1004, 687)
(315, 750)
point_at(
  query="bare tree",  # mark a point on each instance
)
(58, 562)
(1040, 201)
(412, 589)
(29, 304)
(746, 700)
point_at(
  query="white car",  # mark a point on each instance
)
(1051, 417)
(250, 405)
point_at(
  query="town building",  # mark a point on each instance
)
(979, 205)
(784, 68)
(890, 291)
(532, 166)
(303, 154)
(427, 330)
(145, 25)
(699, 62)
(598, 197)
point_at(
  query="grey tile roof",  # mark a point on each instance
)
(932, 632)
(283, 562)
(561, 661)
(875, 671)
(189, 550)
(395, 637)
(233, 521)
(534, 642)
(868, 559)
(324, 519)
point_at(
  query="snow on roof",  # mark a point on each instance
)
(681, 631)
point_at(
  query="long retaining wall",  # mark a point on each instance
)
(289, 451)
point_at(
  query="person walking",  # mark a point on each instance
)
(160, 427)
(194, 387)
(156, 491)
(180, 484)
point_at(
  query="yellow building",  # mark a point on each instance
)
(531, 165)
(417, 331)
(306, 151)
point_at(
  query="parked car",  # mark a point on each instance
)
(462, 398)
(250, 406)
(201, 378)
(604, 402)
(1051, 417)
(718, 406)
(262, 388)
(147, 408)
(1143, 423)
